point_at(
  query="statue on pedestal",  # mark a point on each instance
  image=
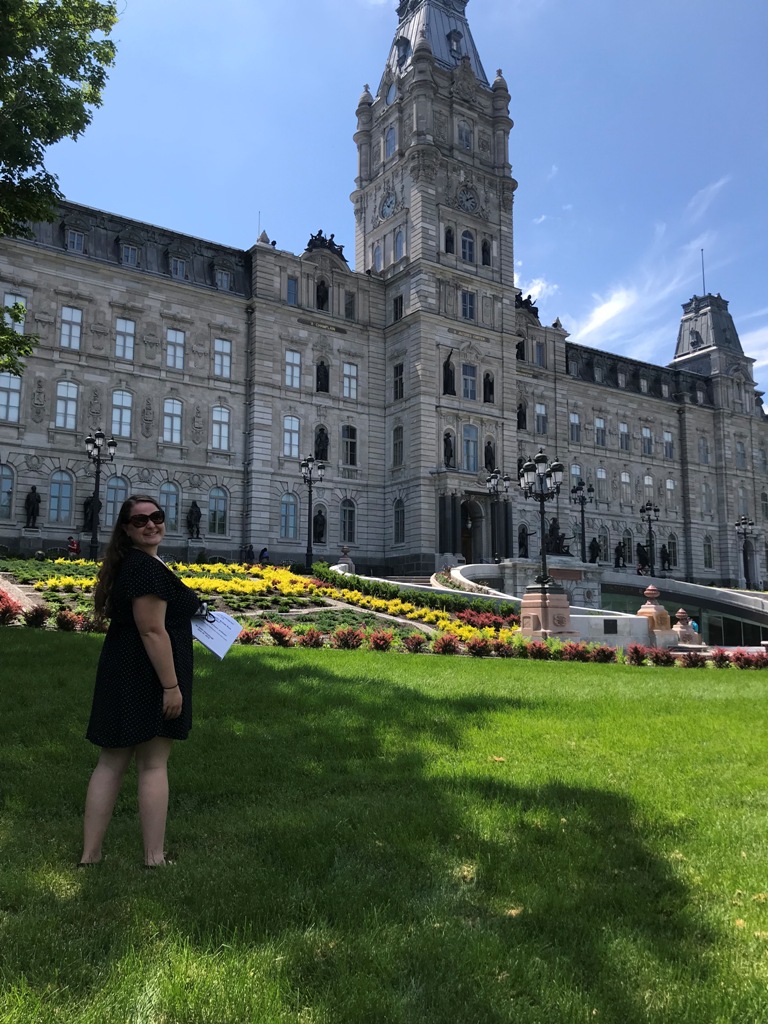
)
(32, 508)
(193, 521)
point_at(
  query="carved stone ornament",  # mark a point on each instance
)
(465, 83)
(151, 346)
(147, 418)
(424, 166)
(198, 425)
(441, 127)
(484, 142)
(38, 401)
(507, 195)
(145, 475)
(94, 409)
(99, 332)
(33, 462)
(195, 480)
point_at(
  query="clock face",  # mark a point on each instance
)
(467, 199)
(388, 205)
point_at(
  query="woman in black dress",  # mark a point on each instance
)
(142, 700)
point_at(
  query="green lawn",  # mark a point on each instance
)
(394, 838)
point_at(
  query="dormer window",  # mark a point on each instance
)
(178, 268)
(129, 255)
(454, 43)
(75, 240)
(403, 45)
(224, 280)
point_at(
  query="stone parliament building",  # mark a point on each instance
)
(218, 370)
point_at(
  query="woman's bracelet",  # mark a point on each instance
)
(170, 687)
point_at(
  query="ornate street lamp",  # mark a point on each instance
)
(578, 497)
(308, 467)
(744, 526)
(494, 483)
(94, 445)
(649, 514)
(540, 479)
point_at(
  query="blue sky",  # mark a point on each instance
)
(641, 137)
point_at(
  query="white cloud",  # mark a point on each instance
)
(553, 172)
(606, 311)
(540, 220)
(704, 198)
(538, 288)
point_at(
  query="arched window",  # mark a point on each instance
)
(604, 540)
(468, 246)
(672, 549)
(706, 496)
(465, 135)
(709, 554)
(321, 295)
(450, 244)
(122, 405)
(377, 260)
(399, 522)
(522, 541)
(289, 516)
(217, 511)
(626, 543)
(116, 493)
(6, 492)
(60, 505)
(220, 426)
(389, 143)
(169, 502)
(348, 522)
(485, 250)
(399, 245)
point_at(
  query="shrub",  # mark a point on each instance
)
(720, 658)
(347, 638)
(760, 659)
(90, 624)
(660, 656)
(636, 654)
(249, 635)
(483, 620)
(281, 635)
(446, 643)
(36, 616)
(574, 651)
(9, 609)
(693, 659)
(741, 658)
(479, 647)
(415, 643)
(67, 621)
(311, 637)
(602, 654)
(539, 651)
(380, 640)
(505, 649)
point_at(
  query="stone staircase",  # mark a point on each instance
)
(411, 581)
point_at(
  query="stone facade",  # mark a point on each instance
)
(218, 370)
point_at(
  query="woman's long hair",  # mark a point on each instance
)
(118, 547)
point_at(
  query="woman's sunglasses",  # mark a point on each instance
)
(141, 519)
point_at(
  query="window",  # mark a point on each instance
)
(178, 268)
(706, 496)
(741, 495)
(347, 521)
(541, 418)
(468, 246)
(174, 350)
(602, 485)
(399, 522)
(703, 450)
(397, 446)
(10, 396)
(397, 381)
(222, 358)
(626, 546)
(599, 373)
(349, 445)
(349, 382)
(169, 501)
(624, 444)
(125, 336)
(469, 381)
(129, 255)
(75, 240)
(71, 327)
(397, 307)
(605, 544)
(450, 244)
(66, 405)
(465, 135)
(60, 504)
(709, 555)
(626, 489)
(671, 494)
(600, 431)
(647, 441)
(664, 389)
(389, 143)
(470, 448)
(122, 405)
(672, 549)
(6, 492)
(291, 437)
(13, 300)
(377, 261)
(575, 474)
(700, 396)
(485, 250)
(399, 245)
(669, 446)
(172, 421)
(468, 305)
(289, 517)
(217, 511)
(644, 385)
(117, 493)
(292, 369)
(621, 378)
(350, 306)
(648, 488)
(764, 504)
(224, 280)
(741, 455)
(220, 428)
(540, 354)
(292, 292)
(575, 432)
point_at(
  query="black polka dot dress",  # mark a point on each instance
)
(128, 698)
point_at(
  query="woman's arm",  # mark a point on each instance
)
(149, 616)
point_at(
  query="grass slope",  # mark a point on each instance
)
(386, 838)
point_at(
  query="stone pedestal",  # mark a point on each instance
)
(545, 611)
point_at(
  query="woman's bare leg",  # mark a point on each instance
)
(152, 766)
(100, 800)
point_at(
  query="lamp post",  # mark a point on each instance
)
(308, 467)
(494, 483)
(744, 527)
(540, 479)
(578, 497)
(94, 445)
(649, 514)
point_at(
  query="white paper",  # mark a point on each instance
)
(218, 635)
